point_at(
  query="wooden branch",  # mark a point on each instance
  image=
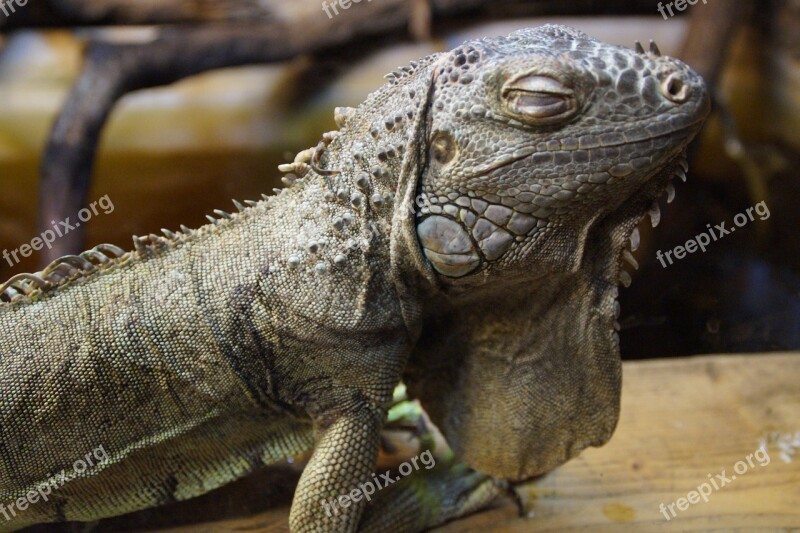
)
(113, 70)
(61, 13)
(711, 30)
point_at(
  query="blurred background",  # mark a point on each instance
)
(172, 108)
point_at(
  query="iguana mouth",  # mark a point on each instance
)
(524, 154)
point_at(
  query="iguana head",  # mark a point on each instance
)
(539, 137)
(545, 150)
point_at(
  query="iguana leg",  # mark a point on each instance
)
(428, 498)
(344, 457)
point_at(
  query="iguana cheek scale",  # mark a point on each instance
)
(204, 354)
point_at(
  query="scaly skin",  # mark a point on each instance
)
(463, 230)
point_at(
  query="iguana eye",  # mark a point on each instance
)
(540, 100)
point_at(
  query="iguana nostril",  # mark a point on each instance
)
(675, 89)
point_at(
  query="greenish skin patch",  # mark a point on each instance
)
(202, 355)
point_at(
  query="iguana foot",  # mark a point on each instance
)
(429, 498)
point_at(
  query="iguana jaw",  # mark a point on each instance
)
(641, 206)
(616, 238)
(624, 241)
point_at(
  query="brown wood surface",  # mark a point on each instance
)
(682, 419)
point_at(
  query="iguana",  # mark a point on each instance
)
(464, 232)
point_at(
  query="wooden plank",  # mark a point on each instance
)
(682, 420)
